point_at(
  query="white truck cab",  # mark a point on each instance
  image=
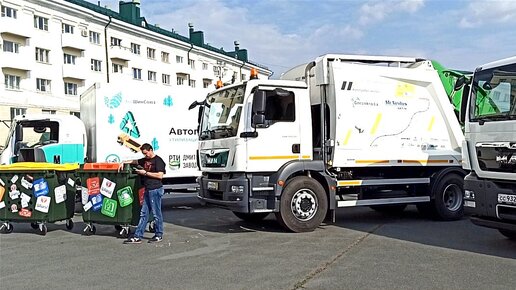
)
(45, 138)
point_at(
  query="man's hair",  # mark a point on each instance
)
(146, 146)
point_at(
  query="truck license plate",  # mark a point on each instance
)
(507, 198)
(213, 185)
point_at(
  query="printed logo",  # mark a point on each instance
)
(128, 125)
(107, 187)
(112, 158)
(125, 196)
(25, 183)
(108, 207)
(154, 143)
(40, 187)
(43, 203)
(93, 184)
(111, 119)
(96, 201)
(14, 179)
(114, 101)
(25, 213)
(168, 101)
(60, 193)
(14, 208)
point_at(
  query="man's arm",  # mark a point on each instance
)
(121, 164)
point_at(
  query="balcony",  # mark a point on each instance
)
(122, 53)
(75, 71)
(13, 26)
(75, 41)
(20, 61)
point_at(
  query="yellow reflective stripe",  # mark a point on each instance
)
(350, 183)
(279, 157)
(427, 161)
(376, 123)
(348, 135)
(431, 125)
(371, 161)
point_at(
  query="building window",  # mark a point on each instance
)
(10, 46)
(70, 89)
(42, 85)
(49, 112)
(117, 68)
(179, 59)
(94, 37)
(206, 83)
(244, 77)
(42, 55)
(12, 82)
(41, 23)
(96, 65)
(151, 53)
(69, 58)
(204, 66)
(165, 57)
(165, 79)
(180, 79)
(18, 111)
(191, 63)
(151, 76)
(116, 41)
(137, 73)
(67, 28)
(191, 83)
(135, 48)
(76, 114)
(9, 12)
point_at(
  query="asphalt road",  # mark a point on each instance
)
(209, 248)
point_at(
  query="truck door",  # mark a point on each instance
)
(278, 140)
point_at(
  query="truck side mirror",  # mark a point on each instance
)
(459, 83)
(258, 108)
(464, 103)
(19, 133)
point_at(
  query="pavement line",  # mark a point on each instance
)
(323, 267)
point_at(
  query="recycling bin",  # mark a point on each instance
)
(37, 193)
(109, 197)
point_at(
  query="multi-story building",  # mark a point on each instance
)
(53, 50)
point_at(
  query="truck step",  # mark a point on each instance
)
(382, 201)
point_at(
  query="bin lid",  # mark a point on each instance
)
(39, 166)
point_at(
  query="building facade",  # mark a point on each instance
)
(53, 50)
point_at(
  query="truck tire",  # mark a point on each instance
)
(251, 217)
(509, 234)
(303, 205)
(389, 209)
(447, 204)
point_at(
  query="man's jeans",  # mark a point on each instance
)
(151, 202)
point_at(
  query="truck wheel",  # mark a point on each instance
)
(448, 198)
(509, 234)
(390, 209)
(251, 217)
(303, 205)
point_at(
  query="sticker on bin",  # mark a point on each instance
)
(43, 203)
(71, 182)
(108, 207)
(60, 193)
(2, 183)
(125, 196)
(2, 204)
(93, 184)
(14, 208)
(141, 194)
(40, 187)
(25, 198)
(14, 179)
(84, 195)
(15, 194)
(25, 183)
(96, 202)
(2, 191)
(25, 213)
(87, 206)
(107, 187)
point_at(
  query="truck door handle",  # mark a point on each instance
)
(296, 148)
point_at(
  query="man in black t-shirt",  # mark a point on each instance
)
(152, 171)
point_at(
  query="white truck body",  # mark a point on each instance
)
(121, 117)
(385, 134)
(490, 146)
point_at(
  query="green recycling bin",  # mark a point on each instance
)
(37, 193)
(109, 197)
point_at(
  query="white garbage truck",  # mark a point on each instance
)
(340, 131)
(489, 150)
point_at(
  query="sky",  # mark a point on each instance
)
(281, 34)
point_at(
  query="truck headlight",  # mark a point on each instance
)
(469, 194)
(237, 188)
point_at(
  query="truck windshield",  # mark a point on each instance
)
(222, 113)
(494, 94)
